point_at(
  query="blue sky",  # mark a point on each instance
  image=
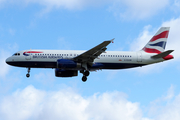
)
(144, 93)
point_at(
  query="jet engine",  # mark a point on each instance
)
(65, 73)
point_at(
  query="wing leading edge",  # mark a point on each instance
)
(90, 55)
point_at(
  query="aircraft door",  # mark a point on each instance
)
(28, 55)
(139, 57)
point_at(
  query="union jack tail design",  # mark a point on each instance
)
(157, 43)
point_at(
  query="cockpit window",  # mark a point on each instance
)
(16, 54)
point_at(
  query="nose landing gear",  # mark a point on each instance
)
(28, 75)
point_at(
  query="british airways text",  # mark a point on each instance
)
(50, 57)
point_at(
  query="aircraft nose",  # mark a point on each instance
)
(8, 60)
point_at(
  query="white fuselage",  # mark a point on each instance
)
(108, 59)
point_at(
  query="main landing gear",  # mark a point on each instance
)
(85, 74)
(28, 75)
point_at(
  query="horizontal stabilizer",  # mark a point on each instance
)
(163, 54)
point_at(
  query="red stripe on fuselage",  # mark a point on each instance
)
(149, 50)
(161, 35)
(33, 52)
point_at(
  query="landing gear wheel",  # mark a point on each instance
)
(86, 73)
(84, 78)
(27, 75)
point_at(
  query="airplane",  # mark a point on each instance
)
(67, 63)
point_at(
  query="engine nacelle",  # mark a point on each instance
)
(66, 63)
(65, 73)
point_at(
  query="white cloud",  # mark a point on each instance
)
(31, 103)
(142, 39)
(166, 107)
(113, 106)
(21, 105)
(137, 9)
(170, 111)
(127, 9)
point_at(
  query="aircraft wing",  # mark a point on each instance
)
(93, 53)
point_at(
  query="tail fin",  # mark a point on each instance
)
(157, 43)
